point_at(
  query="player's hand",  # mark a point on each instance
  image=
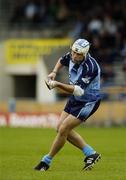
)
(50, 83)
(52, 75)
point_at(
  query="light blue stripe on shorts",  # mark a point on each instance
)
(86, 110)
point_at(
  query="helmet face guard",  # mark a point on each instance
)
(81, 46)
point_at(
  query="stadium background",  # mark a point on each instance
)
(33, 35)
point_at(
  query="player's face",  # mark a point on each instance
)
(76, 57)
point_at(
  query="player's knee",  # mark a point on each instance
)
(63, 130)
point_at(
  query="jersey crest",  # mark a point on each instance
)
(86, 79)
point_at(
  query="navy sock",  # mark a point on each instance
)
(88, 150)
(47, 159)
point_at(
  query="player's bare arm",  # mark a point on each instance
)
(72, 89)
(56, 69)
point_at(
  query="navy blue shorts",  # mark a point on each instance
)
(81, 110)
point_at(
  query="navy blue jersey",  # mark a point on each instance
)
(86, 75)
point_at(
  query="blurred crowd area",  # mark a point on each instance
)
(103, 23)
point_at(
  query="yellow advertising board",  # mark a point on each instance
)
(29, 51)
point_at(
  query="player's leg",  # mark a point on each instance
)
(67, 125)
(91, 156)
(76, 140)
(73, 137)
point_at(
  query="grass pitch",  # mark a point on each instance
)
(22, 148)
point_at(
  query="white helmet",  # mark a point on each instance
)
(81, 46)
